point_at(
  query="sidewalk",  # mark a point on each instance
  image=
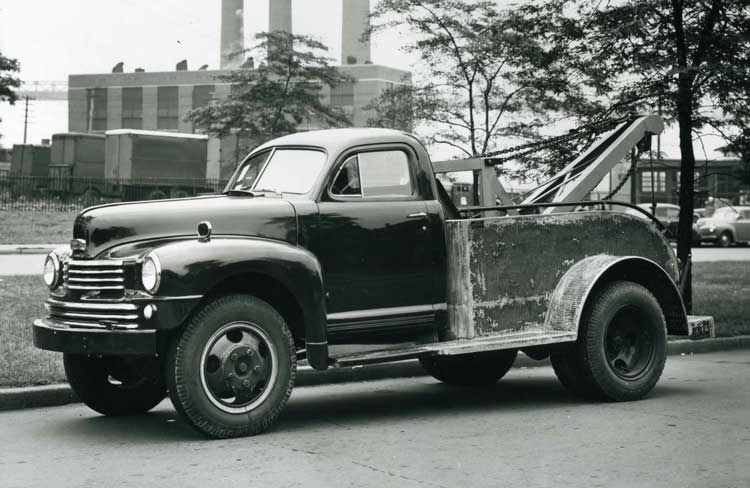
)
(61, 394)
(28, 248)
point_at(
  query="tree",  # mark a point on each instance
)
(282, 92)
(8, 82)
(481, 79)
(686, 59)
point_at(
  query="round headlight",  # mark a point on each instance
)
(151, 273)
(51, 273)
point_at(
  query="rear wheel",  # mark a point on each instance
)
(231, 371)
(116, 385)
(476, 369)
(621, 347)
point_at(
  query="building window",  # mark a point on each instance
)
(168, 107)
(132, 108)
(203, 95)
(97, 109)
(657, 184)
(342, 97)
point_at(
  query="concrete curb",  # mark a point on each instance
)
(28, 248)
(61, 394)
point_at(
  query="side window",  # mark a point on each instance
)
(374, 174)
(385, 174)
(673, 213)
(745, 214)
(661, 212)
(347, 182)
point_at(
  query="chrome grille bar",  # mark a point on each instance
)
(94, 315)
(93, 275)
(92, 306)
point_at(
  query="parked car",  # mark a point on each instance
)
(728, 225)
(669, 215)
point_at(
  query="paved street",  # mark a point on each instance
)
(25, 264)
(694, 431)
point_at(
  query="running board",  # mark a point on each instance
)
(511, 340)
(699, 327)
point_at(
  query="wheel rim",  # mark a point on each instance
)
(239, 365)
(725, 240)
(630, 344)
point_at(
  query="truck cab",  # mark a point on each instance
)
(344, 237)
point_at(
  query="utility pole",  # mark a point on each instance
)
(25, 130)
(26, 118)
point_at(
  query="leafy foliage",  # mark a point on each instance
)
(9, 83)
(486, 81)
(273, 99)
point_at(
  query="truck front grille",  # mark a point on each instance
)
(94, 315)
(92, 275)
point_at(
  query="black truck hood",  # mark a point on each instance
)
(107, 226)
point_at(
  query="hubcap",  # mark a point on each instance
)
(238, 366)
(629, 344)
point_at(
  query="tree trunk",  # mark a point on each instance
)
(687, 183)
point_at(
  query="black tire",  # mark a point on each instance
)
(621, 348)
(571, 374)
(476, 369)
(116, 385)
(725, 239)
(231, 370)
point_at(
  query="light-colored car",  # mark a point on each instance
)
(728, 225)
(669, 215)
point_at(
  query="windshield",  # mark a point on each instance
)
(725, 213)
(282, 171)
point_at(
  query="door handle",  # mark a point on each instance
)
(418, 215)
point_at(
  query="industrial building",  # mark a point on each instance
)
(161, 100)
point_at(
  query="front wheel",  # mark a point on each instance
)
(116, 385)
(621, 348)
(475, 369)
(725, 239)
(232, 369)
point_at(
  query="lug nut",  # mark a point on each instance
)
(257, 369)
(250, 352)
(246, 384)
(233, 357)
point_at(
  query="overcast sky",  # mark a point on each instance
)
(54, 38)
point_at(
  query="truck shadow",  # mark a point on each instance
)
(352, 405)
(425, 399)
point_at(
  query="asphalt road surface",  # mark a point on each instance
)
(693, 431)
(28, 264)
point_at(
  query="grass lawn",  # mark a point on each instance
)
(21, 364)
(36, 227)
(720, 289)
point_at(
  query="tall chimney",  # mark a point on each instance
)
(280, 15)
(354, 21)
(232, 32)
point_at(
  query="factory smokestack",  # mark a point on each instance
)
(232, 32)
(355, 20)
(280, 15)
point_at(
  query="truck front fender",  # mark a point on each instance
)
(197, 267)
(577, 286)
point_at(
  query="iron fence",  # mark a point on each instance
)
(23, 192)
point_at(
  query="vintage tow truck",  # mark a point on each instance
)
(346, 237)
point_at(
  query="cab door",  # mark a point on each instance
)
(373, 245)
